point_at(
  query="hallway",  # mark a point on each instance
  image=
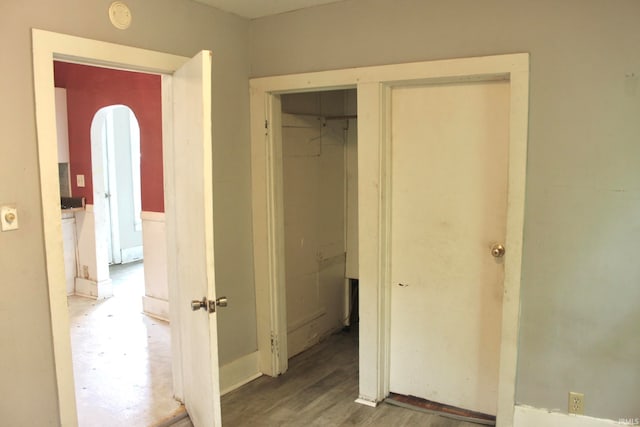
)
(121, 357)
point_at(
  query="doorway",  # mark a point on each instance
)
(374, 87)
(109, 329)
(115, 142)
(186, 84)
(319, 187)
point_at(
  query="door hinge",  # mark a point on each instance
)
(266, 124)
(274, 343)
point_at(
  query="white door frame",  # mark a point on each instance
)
(47, 47)
(374, 85)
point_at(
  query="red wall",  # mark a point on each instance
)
(91, 88)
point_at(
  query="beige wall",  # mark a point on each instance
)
(175, 26)
(581, 272)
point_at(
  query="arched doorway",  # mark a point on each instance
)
(115, 154)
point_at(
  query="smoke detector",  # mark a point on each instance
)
(120, 15)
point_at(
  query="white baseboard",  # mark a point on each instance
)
(131, 254)
(527, 416)
(366, 402)
(239, 372)
(92, 289)
(156, 307)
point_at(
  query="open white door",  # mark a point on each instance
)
(189, 215)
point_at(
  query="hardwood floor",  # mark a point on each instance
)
(121, 357)
(319, 389)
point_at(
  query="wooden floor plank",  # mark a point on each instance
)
(318, 390)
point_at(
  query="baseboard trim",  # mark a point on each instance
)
(239, 372)
(155, 307)
(364, 401)
(528, 416)
(132, 254)
(92, 289)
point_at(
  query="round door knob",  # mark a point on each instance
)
(198, 304)
(497, 250)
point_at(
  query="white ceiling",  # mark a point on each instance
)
(257, 8)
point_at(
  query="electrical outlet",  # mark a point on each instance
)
(576, 403)
(8, 217)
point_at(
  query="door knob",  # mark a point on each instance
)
(497, 250)
(209, 305)
(198, 304)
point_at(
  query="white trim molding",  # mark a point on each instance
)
(239, 372)
(48, 46)
(155, 301)
(155, 307)
(373, 85)
(152, 216)
(92, 289)
(528, 416)
(132, 254)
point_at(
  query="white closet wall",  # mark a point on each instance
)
(315, 207)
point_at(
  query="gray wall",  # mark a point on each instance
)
(175, 26)
(580, 292)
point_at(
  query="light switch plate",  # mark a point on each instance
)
(80, 180)
(9, 217)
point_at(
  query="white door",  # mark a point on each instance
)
(189, 215)
(449, 197)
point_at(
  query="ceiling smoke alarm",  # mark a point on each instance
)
(120, 15)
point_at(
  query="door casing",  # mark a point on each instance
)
(47, 47)
(374, 86)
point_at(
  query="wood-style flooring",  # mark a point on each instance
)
(121, 357)
(319, 389)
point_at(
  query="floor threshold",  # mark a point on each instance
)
(448, 411)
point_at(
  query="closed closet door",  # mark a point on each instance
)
(449, 198)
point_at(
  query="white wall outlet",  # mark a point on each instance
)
(9, 217)
(576, 403)
(80, 180)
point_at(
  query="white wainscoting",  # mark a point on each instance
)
(155, 301)
(70, 246)
(93, 269)
(92, 289)
(527, 416)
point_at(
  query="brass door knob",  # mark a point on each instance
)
(497, 250)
